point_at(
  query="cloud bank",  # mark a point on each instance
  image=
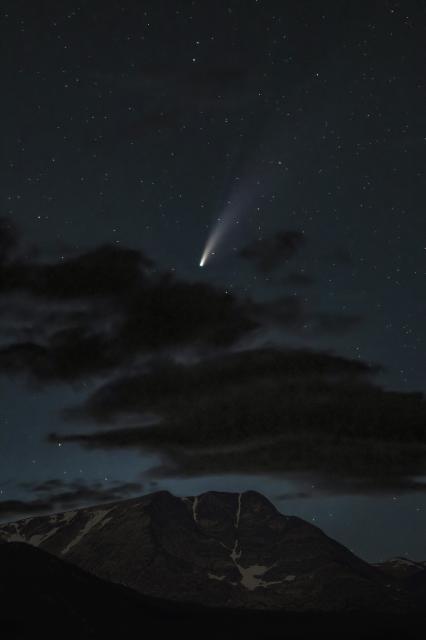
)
(185, 354)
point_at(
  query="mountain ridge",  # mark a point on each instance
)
(217, 548)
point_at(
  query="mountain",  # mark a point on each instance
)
(44, 596)
(408, 574)
(401, 568)
(217, 549)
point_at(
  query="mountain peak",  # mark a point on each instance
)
(217, 548)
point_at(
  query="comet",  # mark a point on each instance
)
(212, 242)
(230, 215)
(217, 234)
(251, 181)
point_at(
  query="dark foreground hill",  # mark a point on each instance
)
(43, 596)
(216, 549)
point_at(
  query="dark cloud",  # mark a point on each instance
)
(176, 313)
(348, 463)
(172, 350)
(166, 387)
(78, 493)
(68, 355)
(381, 481)
(341, 484)
(264, 411)
(274, 252)
(104, 272)
(13, 508)
(106, 308)
(56, 495)
(43, 487)
(110, 308)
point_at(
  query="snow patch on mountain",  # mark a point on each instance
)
(213, 576)
(97, 518)
(238, 514)
(194, 509)
(250, 576)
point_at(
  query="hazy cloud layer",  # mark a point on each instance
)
(104, 309)
(264, 411)
(173, 350)
(57, 495)
(107, 308)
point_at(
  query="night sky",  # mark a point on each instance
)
(282, 144)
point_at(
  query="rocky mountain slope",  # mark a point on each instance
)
(409, 575)
(220, 549)
(401, 568)
(44, 596)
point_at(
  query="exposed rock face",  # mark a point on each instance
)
(401, 568)
(409, 575)
(221, 549)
